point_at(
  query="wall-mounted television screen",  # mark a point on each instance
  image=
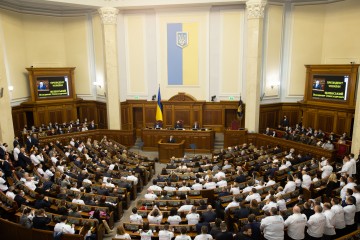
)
(52, 86)
(330, 87)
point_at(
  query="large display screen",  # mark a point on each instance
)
(329, 87)
(52, 86)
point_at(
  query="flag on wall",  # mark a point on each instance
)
(240, 110)
(183, 53)
(159, 108)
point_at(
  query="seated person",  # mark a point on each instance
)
(158, 124)
(178, 124)
(171, 139)
(196, 125)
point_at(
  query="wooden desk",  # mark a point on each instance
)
(204, 140)
(234, 137)
(168, 150)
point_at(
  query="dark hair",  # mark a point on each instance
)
(63, 218)
(183, 230)
(146, 226)
(251, 218)
(173, 211)
(134, 210)
(218, 221)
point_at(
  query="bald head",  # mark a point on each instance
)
(296, 209)
(209, 207)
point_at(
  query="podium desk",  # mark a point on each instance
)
(168, 150)
(204, 140)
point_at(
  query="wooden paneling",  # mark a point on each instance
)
(150, 115)
(325, 122)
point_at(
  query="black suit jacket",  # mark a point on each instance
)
(23, 160)
(41, 222)
(7, 169)
(15, 143)
(209, 216)
(171, 140)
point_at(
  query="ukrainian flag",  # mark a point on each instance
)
(183, 54)
(159, 108)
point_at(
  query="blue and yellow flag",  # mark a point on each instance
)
(240, 110)
(159, 108)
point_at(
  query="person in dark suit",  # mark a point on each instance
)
(178, 125)
(242, 212)
(20, 199)
(158, 124)
(317, 85)
(42, 202)
(41, 86)
(40, 221)
(35, 140)
(23, 160)
(29, 143)
(171, 139)
(224, 234)
(209, 215)
(92, 125)
(241, 177)
(285, 122)
(196, 125)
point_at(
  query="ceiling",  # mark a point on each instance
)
(71, 7)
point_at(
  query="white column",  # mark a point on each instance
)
(355, 146)
(109, 19)
(254, 47)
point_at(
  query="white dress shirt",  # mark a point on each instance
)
(268, 206)
(357, 197)
(193, 218)
(16, 153)
(339, 216)
(154, 220)
(232, 204)
(350, 185)
(222, 183)
(197, 186)
(10, 195)
(165, 235)
(306, 181)
(210, 185)
(155, 188)
(270, 183)
(273, 227)
(203, 237)
(63, 227)
(169, 188)
(3, 186)
(136, 218)
(78, 201)
(256, 196)
(296, 225)
(185, 208)
(174, 220)
(349, 214)
(330, 223)
(281, 205)
(326, 171)
(316, 225)
(150, 196)
(234, 190)
(289, 187)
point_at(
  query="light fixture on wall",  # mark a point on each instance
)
(11, 88)
(153, 97)
(213, 98)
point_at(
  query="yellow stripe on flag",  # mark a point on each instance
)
(191, 55)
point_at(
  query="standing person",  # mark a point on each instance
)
(64, 227)
(329, 232)
(145, 232)
(224, 235)
(166, 234)
(338, 210)
(273, 226)
(171, 139)
(296, 224)
(316, 224)
(349, 215)
(204, 234)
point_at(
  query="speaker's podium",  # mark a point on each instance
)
(169, 150)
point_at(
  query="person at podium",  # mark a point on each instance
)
(171, 139)
(196, 125)
(178, 125)
(158, 124)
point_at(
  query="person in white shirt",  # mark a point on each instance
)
(64, 227)
(132, 178)
(353, 164)
(270, 182)
(329, 231)
(253, 195)
(135, 217)
(290, 185)
(155, 187)
(169, 188)
(234, 189)
(166, 234)
(221, 183)
(78, 200)
(210, 184)
(316, 223)
(270, 203)
(40, 157)
(184, 187)
(234, 203)
(296, 224)
(174, 218)
(338, 210)
(197, 185)
(219, 175)
(306, 180)
(145, 232)
(3, 185)
(183, 235)
(155, 216)
(193, 217)
(283, 165)
(30, 183)
(186, 207)
(347, 166)
(204, 234)
(10, 193)
(350, 184)
(356, 195)
(280, 202)
(49, 172)
(121, 234)
(150, 195)
(16, 152)
(273, 226)
(326, 170)
(349, 215)
(226, 165)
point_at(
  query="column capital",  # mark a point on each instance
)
(255, 8)
(108, 15)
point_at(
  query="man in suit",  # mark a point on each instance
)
(16, 142)
(23, 160)
(92, 125)
(41, 86)
(171, 139)
(178, 125)
(285, 122)
(196, 125)
(158, 124)
(317, 85)
(209, 215)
